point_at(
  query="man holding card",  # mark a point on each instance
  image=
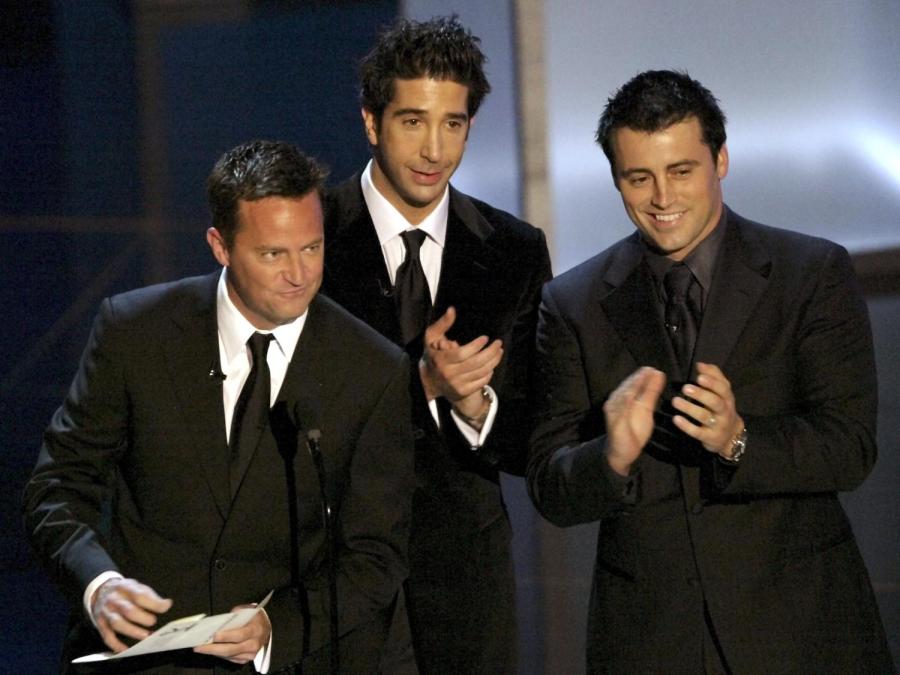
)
(185, 471)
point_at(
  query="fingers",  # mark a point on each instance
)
(438, 329)
(126, 607)
(629, 417)
(709, 409)
(240, 645)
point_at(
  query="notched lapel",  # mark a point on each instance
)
(192, 358)
(632, 309)
(739, 282)
(356, 276)
(470, 264)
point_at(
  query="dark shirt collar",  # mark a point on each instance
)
(701, 261)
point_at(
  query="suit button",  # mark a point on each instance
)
(418, 433)
(220, 564)
(697, 508)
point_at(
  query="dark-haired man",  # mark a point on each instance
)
(457, 283)
(183, 421)
(723, 547)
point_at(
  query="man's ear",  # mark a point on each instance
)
(370, 121)
(217, 244)
(722, 162)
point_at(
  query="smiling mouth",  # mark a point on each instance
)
(666, 217)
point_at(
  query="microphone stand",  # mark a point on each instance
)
(313, 437)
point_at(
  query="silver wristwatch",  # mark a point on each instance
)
(738, 447)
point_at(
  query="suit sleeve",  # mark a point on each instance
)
(81, 447)
(373, 523)
(506, 445)
(823, 440)
(568, 478)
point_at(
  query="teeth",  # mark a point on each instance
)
(667, 218)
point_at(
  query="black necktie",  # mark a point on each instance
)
(682, 317)
(411, 289)
(251, 410)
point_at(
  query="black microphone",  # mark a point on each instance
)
(301, 410)
(313, 436)
(386, 292)
(215, 373)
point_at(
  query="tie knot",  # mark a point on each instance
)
(259, 346)
(413, 240)
(677, 281)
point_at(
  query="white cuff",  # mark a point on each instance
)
(92, 587)
(478, 438)
(264, 655)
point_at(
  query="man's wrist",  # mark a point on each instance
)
(477, 417)
(736, 447)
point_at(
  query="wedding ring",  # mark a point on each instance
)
(711, 422)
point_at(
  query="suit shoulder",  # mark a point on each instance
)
(505, 224)
(151, 304)
(356, 336)
(588, 276)
(786, 248)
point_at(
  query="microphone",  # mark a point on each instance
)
(313, 439)
(215, 373)
(386, 292)
(313, 436)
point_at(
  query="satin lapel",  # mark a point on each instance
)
(739, 281)
(192, 359)
(356, 274)
(468, 264)
(632, 309)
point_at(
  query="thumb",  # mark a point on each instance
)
(438, 330)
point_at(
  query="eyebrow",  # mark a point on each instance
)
(669, 167)
(424, 113)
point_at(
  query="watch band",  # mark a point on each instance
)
(738, 447)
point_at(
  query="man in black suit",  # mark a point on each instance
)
(463, 303)
(722, 545)
(196, 525)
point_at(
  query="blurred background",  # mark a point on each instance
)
(112, 112)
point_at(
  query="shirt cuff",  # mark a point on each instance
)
(475, 437)
(264, 655)
(92, 587)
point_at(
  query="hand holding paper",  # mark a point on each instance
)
(225, 631)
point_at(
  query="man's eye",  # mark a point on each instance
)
(411, 122)
(637, 181)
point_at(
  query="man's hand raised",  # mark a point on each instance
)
(629, 417)
(458, 372)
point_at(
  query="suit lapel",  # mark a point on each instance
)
(468, 266)
(632, 309)
(192, 358)
(356, 274)
(739, 281)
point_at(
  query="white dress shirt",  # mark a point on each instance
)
(389, 225)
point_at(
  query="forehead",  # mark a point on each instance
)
(281, 217)
(677, 142)
(426, 93)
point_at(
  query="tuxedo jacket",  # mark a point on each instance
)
(133, 475)
(765, 546)
(492, 269)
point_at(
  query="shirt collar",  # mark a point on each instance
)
(235, 329)
(389, 222)
(701, 261)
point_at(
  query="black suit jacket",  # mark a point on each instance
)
(142, 432)
(766, 546)
(492, 269)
